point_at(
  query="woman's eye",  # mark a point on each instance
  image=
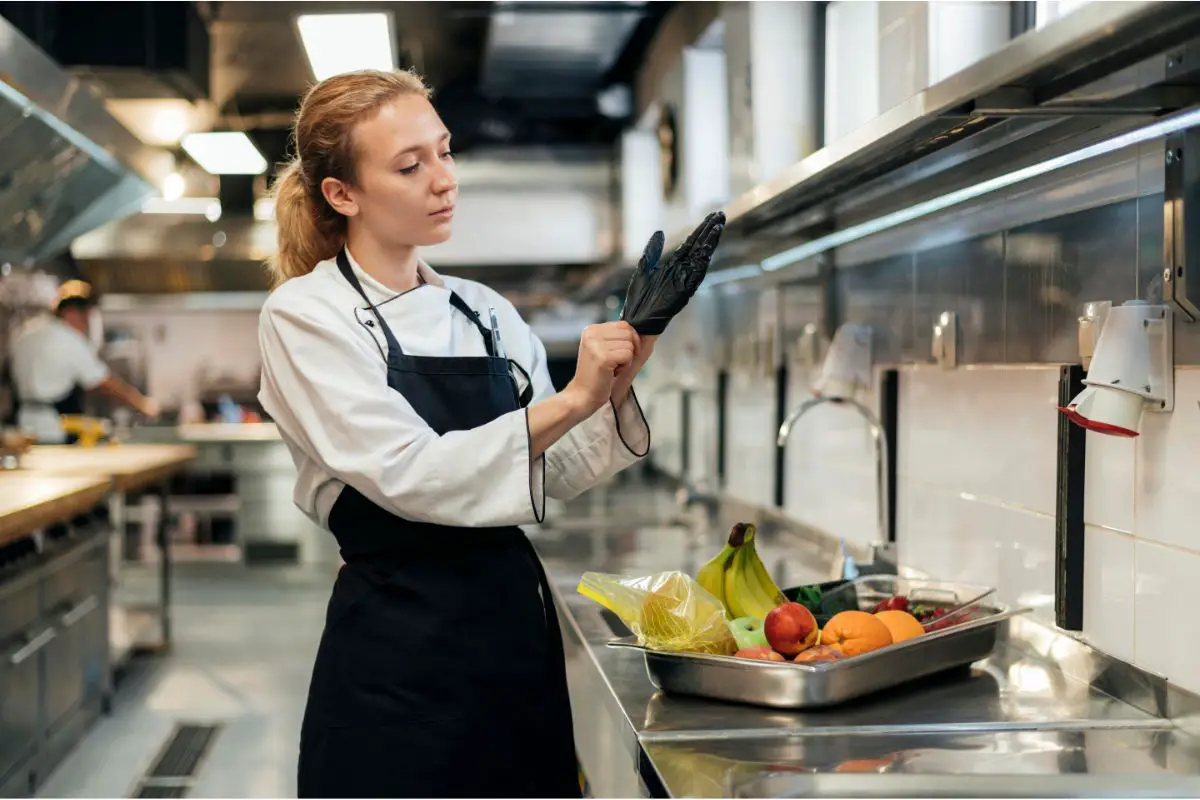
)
(448, 155)
(409, 170)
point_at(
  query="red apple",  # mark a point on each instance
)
(791, 629)
(760, 653)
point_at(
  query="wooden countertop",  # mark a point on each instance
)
(32, 501)
(232, 433)
(130, 466)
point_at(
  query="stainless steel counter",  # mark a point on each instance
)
(269, 528)
(1043, 701)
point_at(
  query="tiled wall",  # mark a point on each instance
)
(976, 493)
(976, 444)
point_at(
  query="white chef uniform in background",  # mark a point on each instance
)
(50, 358)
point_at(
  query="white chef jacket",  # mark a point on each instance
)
(48, 359)
(324, 382)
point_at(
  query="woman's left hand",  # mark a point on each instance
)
(626, 375)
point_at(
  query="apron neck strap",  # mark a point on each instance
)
(343, 264)
(473, 315)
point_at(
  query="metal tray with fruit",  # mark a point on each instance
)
(819, 646)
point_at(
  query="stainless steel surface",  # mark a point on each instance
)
(819, 685)
(1055, 63)
(882, 490)
(55, 677)
(264, 477)
(549, 54)
(1077, 763)
(795, 686)
(67, 166)
(1038, 692)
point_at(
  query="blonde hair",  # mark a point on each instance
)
(308, 229)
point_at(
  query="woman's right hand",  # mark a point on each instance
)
(603, 350)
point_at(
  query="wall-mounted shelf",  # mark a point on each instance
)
(1103, 70)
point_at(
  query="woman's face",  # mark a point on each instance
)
(405, 189)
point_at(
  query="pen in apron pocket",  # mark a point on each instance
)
(497, 346)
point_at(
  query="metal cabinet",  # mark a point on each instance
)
(53, 655)
(71, 599)
(19, 677)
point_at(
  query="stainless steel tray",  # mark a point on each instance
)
(788, 685)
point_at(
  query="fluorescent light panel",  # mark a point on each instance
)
(337, 43)
(188, 206)
(225, 153)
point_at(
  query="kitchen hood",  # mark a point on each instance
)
(66, 166)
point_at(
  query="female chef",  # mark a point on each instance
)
(421, 417)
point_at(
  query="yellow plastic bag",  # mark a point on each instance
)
(666, 611)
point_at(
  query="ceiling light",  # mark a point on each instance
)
(173, 187)
(161, 123)
(183, 205)
(337, 43)
(264, 209)
(225, 153)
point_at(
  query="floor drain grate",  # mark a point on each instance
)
(175, 768)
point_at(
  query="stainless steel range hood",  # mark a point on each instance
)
(66, 166)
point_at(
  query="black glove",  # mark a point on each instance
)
(659, 291)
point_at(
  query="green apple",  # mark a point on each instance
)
(748, 632)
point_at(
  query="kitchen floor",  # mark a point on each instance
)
(245, 640)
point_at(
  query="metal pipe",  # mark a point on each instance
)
(881, 453)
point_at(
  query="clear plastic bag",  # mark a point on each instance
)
(666, 611)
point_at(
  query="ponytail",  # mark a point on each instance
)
(305, 235)
(309, 231)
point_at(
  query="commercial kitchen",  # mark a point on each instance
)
(947, 353)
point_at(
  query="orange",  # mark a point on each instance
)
(902, 624)
(855, 633)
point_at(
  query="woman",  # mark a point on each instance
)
(424, 427)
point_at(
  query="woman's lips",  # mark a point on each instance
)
(443, 213)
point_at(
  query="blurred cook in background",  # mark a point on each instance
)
(54, 364)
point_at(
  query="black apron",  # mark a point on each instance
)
(440, 671)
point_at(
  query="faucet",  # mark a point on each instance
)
(882, 547)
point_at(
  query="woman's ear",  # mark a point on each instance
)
(339, 197)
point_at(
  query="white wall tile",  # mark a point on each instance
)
(986, 432)
(955, 536)
(1109, 482)
(1167, 591)
(702, 436)
(1168, 459)
(750, 440)
(1108, 591)
(830, 472)
(925, 531)
(976, 497)
(829, 468)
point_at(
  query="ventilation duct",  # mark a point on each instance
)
(66, 166)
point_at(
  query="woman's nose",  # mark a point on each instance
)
(444, 181)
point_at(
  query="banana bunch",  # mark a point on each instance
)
(738, 578)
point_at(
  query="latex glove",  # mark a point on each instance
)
(661, 287)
